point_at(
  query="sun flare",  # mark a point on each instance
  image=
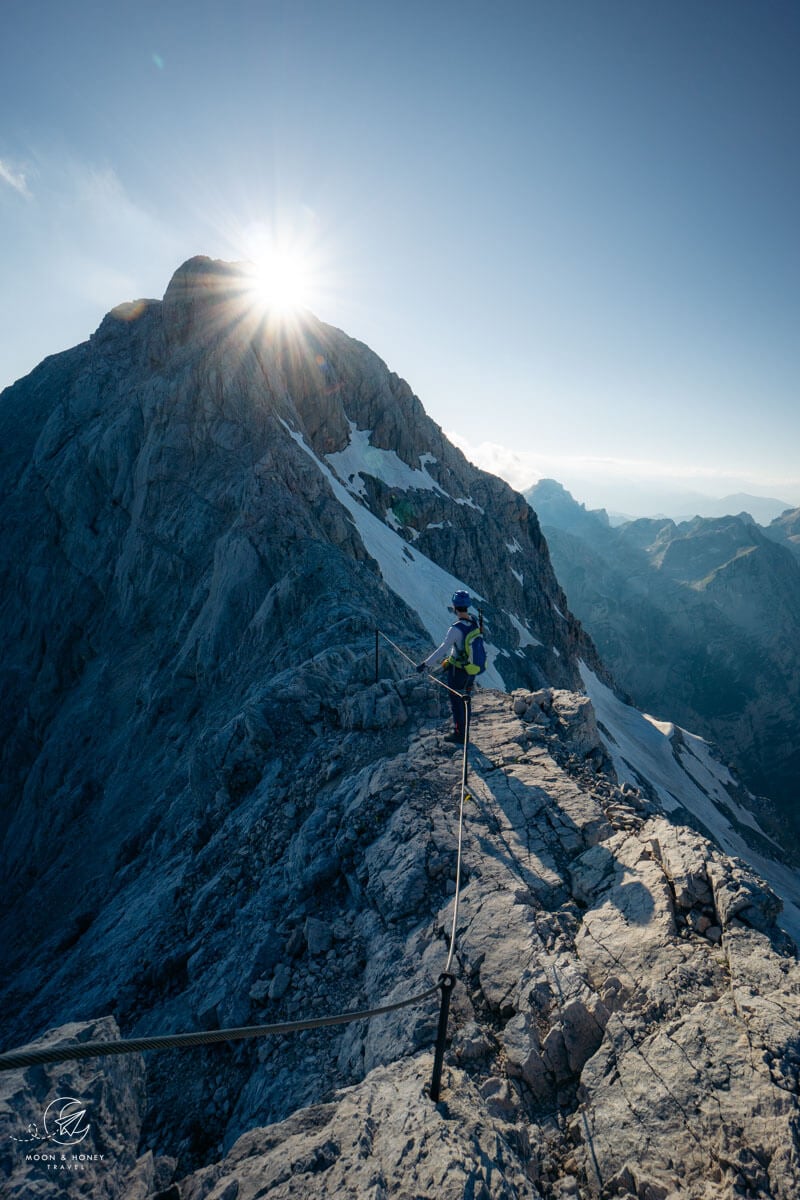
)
(283, 279)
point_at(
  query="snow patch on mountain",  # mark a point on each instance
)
(641, 749)
(714, 778)
(359, 458)
(425, 587)
(526, 638)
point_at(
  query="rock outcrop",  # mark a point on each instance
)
(785, 530)
(72, 1129)
(698, 622)
(624, 1021)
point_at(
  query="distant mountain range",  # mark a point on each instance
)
(698, 620)
(653, 502)
(762, 509)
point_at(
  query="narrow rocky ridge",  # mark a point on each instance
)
(624, 1021)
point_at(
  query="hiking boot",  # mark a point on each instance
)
(455, 738)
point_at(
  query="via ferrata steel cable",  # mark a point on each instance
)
(26, 1057)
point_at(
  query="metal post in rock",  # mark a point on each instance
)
(447, 983)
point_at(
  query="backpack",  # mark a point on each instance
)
(472, 658)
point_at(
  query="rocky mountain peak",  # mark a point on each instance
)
(554, 505)
(785, 530)
(220, 808)
(224, 509)
(203, 296)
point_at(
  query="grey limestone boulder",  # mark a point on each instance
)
(319, 936)
(683, 856)
(376, 707)
(382, 1138)
(578, 723)
(738, 892)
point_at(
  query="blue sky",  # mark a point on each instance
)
(572, 226)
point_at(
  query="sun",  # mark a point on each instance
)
(282, 279)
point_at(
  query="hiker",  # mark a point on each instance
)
(456, 660)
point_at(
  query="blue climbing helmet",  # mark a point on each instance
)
(461, 600)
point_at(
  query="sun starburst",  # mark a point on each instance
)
(284, 271)
(282, 280)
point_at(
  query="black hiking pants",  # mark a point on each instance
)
(461, 682)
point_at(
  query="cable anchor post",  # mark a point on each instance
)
(377, 653)
(446, 983)
(467, 731)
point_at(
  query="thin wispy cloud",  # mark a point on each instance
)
(87, 243)
(14, 179)
(599, 476)
(103, 236)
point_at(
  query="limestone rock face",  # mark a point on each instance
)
(215, 816)
(785, 530)
(185, 590)
(380, 1138)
